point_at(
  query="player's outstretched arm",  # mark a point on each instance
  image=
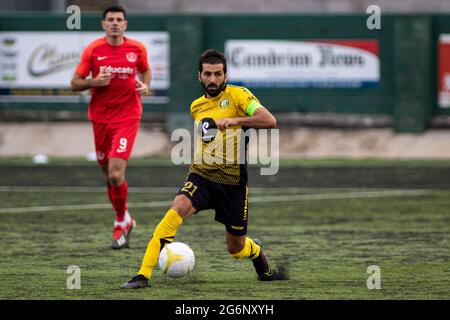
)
(261, 119)
(79, 83)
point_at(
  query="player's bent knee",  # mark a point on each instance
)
(183, 206)
(238, 255)
(115, 178)
(235, 249)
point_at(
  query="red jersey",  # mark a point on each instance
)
(118, 101)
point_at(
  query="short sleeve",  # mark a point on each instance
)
(143, 65)
(247, 101)
(85, 66)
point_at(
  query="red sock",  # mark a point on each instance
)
(109, 188)
(118, 198)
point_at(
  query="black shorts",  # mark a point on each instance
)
(230, 202)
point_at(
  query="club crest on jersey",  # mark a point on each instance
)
(224, 103)
(131, 56)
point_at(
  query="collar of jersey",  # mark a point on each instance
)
(109, 45)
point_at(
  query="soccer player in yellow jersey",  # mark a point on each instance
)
(221, 114)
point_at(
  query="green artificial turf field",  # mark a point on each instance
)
(326, 221)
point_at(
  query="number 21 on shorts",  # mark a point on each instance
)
(190, 188)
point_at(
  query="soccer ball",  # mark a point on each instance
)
(176, 259)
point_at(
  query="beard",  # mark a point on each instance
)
(213, 90)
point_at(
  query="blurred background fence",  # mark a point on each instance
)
(395, 77)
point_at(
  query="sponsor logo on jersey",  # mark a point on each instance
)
(131, 56)
(208, 129)
(100, 58)
(110, 69)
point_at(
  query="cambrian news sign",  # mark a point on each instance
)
(303, 64)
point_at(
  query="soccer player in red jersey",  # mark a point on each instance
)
(115, 108)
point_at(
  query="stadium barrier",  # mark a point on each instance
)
(322, 64)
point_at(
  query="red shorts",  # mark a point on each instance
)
(114, 140)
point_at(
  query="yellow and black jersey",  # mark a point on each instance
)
(221, 156)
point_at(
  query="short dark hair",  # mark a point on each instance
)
(212, 56)
(114, 9)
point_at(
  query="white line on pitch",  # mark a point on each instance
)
(153, 204)
(66, 189)
(279, 198)
(347, 195)
(73, 189)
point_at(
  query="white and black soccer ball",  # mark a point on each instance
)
(176, 260)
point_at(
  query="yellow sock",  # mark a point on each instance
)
(164, 233)
(251, 250)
